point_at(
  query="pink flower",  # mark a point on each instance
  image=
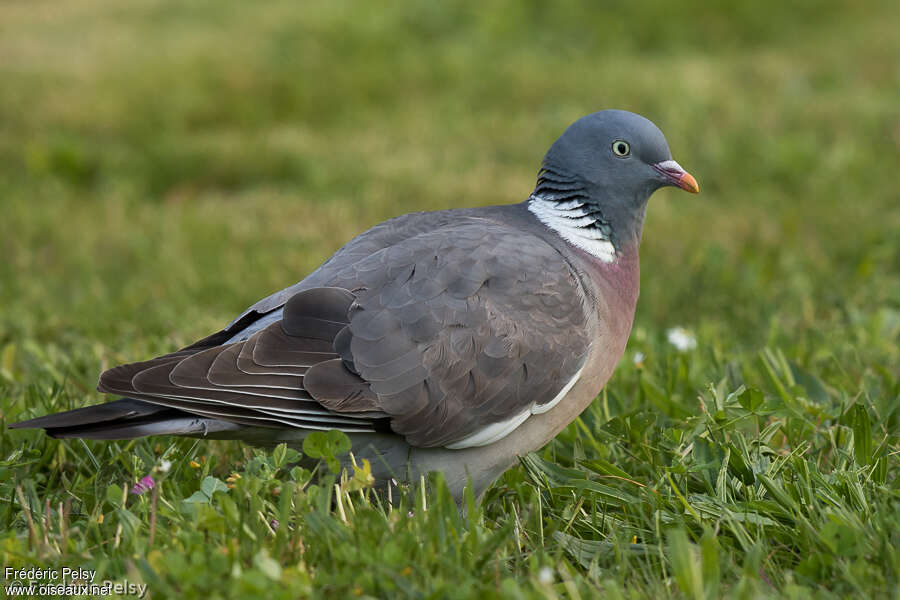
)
(143, 485)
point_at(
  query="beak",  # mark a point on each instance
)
(675, 175)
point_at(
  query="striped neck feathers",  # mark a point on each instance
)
(562, 203)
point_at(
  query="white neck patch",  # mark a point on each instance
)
(570, 220)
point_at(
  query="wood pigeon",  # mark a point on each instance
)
(450, 341)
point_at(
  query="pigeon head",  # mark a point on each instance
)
(596, 179)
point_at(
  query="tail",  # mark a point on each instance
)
(125, 419)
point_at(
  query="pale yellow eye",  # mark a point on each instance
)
(621, 148)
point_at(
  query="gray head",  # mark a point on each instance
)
(599, 174)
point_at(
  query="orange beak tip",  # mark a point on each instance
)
(673, 174)
(689, 184)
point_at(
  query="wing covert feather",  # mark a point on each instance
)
(458, 328)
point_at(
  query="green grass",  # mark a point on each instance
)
(164, 164)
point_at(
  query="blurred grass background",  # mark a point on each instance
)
(165, 164)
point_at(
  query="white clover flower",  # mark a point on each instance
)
(165, 465)
(545, 575)
(682, 339)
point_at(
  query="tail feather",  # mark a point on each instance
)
(125, 419)
(125, 408)
(185, 424)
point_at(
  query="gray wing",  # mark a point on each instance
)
(454, 330)
(465, 328)
(257, 381)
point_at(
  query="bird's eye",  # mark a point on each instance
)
(621, 148)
